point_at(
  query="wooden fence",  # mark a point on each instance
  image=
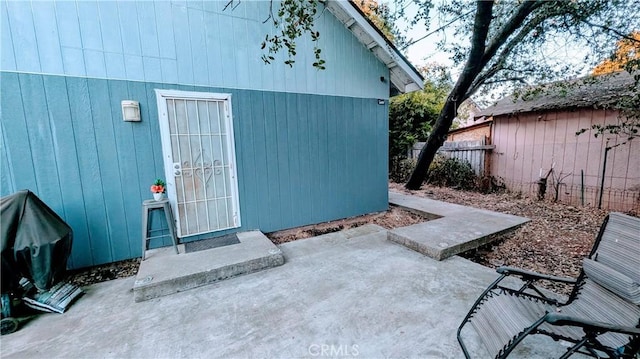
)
(623, 200)
(476, 153)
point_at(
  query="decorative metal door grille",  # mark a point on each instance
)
(201, 163)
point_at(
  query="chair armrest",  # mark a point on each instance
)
(533, 275)
(588, 325)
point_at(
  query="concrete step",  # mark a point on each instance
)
(457, 228)
(163, 272)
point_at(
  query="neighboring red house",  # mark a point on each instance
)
(470, 142)
(476, 132)
(533, 134)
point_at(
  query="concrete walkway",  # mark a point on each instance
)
(339, 295)
(454, 230)
(164, 272)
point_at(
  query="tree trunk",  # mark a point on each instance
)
(475, 63)
(435, 140)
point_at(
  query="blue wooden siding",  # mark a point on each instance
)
(180, 42)
(310, 144)
(301, 158)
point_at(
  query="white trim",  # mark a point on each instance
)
(161, 99)
(412, 80)
(350, 23)
(233, 164)
(412, 87)
(190, 95)
(218, 86)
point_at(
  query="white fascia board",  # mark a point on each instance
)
(411, 87)
(346, 13)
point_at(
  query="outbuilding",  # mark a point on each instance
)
(100, 98)
(550, 128)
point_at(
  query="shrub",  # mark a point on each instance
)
(451, 172)
(411, 116)
(497, 185)
(401, 168)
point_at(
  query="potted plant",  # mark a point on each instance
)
(158, 188)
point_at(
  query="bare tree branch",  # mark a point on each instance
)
(495, 40)
(270, 12)
(471, 69)
(480, 32)
(509, 27)
(505, 53)
(607, 28)
(507, 79)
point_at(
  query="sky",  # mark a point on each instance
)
(426, 51)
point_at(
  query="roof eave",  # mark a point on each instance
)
(603, 94)
(402, 74)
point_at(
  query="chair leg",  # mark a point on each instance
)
(172, 229)
(573, 349)
(516, 340)
(145, 227)
(594, 345)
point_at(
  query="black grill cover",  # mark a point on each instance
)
(36, 242)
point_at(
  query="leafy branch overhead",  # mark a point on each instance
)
(293, 19)
(625, 57)
(504, 43)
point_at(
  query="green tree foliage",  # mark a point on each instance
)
(382, 17)
(495, 43)
(293, 19)
(499, 43)
(451, 172)
(412, 115)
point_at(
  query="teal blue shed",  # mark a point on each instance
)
(100, 98)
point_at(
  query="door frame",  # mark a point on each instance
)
(163, 118)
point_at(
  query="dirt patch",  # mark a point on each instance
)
(102, 273)
(554, 242)
(393, 218)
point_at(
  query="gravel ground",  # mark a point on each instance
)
(86, 276)
(554, 242)
(393, 218)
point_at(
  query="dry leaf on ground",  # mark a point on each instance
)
(554, 242)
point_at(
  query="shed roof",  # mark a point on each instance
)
(404, 77)
(591, 91)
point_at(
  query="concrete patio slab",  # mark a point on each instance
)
(454, 230)
(163, 272)
(339, 295)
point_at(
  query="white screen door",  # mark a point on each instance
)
(199, 160)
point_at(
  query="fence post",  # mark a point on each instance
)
(473, 152)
